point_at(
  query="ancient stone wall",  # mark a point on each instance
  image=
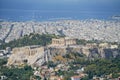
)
(26, 54)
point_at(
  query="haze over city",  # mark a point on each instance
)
(47, 9)
(59, 39)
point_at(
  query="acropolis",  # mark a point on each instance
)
(63, 41)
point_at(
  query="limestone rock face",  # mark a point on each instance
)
(103, 50)
(58, 51)
(37, 55)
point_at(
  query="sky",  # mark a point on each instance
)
(47, 9)
(61, 5)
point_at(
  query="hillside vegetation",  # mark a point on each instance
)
(15, 73)
(32, 39)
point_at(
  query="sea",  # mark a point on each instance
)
(38, 15)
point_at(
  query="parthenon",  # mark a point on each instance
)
(63, 41)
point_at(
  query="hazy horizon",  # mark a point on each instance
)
(46, 9)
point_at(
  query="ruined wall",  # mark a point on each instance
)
(25, 55)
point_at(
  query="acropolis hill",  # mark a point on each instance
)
(37, 55)
(81, 29)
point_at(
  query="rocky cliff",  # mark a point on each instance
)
(91, 51)
(36, 56)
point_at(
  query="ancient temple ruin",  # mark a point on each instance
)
(63, 41)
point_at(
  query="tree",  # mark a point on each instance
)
(32, 39)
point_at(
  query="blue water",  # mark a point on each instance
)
(32, 15)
